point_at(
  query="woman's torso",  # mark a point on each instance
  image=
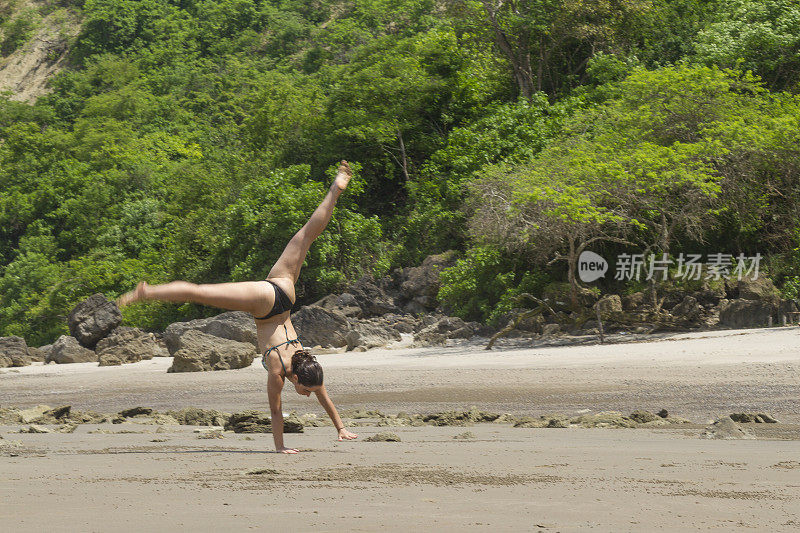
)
(275, 331)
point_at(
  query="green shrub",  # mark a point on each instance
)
(484, 285)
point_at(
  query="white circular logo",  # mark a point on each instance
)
(591, 266)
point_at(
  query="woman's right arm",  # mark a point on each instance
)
(274, 387)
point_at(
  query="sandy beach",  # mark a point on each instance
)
(146, 477)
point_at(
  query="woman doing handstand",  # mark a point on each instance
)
(270, 302)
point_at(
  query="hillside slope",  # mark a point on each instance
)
(25, 71)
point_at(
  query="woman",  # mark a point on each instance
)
(270, 302)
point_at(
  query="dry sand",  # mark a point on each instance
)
(502, 478)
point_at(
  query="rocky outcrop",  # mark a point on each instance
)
(36, 354)
(344, 304)
(550, 330)
(610, 303)
(13, 352)
(726, 429)
(448, 327)
(257, 422)
(754, 418)
(234, 325)
(26, 72)
(135, 411)
(688, 309)
(93, 319)
(643, 417)
(761, 289)
(199, 352)
(318, 326)
(710, 295)
(419, 286)
(463, 418)
(192, 416)
(67, 349)
(604, 419)
(371, 299)
(127, 345)
(633, 301)
(401, 323)
(741, 313)
(370, 334)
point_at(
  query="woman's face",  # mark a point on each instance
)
(302, 389)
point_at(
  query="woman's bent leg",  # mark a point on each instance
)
(255, 297)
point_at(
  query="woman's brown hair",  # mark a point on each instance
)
(306, 368)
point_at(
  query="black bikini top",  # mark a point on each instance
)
(287, 342)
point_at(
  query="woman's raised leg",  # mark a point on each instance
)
(291, 260)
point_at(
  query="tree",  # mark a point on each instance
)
(539, 214)
(548, 43)
(762, 36)
(643, 166)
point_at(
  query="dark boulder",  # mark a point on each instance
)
(344, 303)
(742, 313)
(93, 319)
(420, 285)
(14, 352)
(688, 309)
(321, 327)
(372, 300)
(258, 422)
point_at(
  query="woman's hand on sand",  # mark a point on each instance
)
(346, 435)
(287, 450)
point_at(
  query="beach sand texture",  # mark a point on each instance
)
(135, 477)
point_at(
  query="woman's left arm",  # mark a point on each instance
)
(325, 401)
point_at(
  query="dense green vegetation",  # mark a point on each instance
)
(189, 139)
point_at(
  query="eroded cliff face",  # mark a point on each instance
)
(26, 71)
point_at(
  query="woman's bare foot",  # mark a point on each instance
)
(133, 296)
(343, 175)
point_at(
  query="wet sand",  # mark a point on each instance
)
(503, 477)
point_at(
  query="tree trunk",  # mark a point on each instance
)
(520, 58)
(404, 160)
(572, 262)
